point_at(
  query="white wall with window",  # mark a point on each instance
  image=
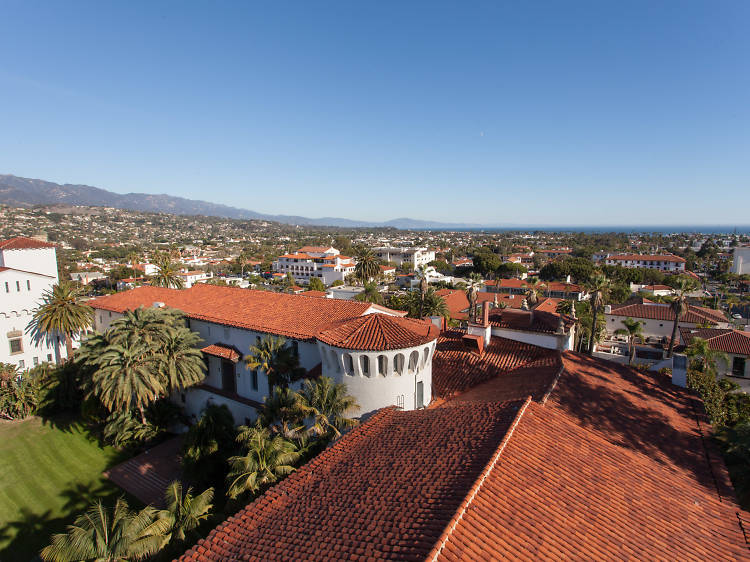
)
(401, 377)
(21, 292)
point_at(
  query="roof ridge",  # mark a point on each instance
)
(474, 490)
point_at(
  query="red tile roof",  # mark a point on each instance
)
(726, 340)
(317, 249)
(455, 369)
(694, 314)
(294, 316)
(223, 351)
(24, 243)
(647, 257)
(384, 491)
(528, 320)
(319, 294)
(612, 464)
(379, 332)
(561, 492)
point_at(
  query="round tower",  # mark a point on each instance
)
(383, 360)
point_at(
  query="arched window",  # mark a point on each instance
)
(413, 360)
(349, 364)
(382, 365)
(425, 356)
(398, 364)
(365, 365)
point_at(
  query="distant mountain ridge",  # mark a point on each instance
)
(26, 192)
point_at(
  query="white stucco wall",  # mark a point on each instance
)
(37, 260)
(651, 328)
(548, 341)
(20, 294)
(375, 390)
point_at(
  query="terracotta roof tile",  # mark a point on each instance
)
(456, 369)
(726, 340)
(294, 316)
(379, 332)
(224, 351)
(658, 311)
(561, 492)
(384, 492)
(24, 243)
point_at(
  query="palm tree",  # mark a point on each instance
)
(109, 535)
(700, 350)
(128, 375)
(167, 272)
(283, 408)
(633, 331)
(207, 443)
(133, 259)
(148, 326)
(279, 362)
(367, 266)
(433, 304)
(679, 306)
(598, 288)
(370, 294)
(534, 287)
(268, 458)
(184, 510)
(327, 403)
(182, 363)
(61, 313)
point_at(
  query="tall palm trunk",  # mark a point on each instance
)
(69, 346)
(674, 336)
(595, 312)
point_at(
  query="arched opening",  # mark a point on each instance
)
(382, 365)
(425, 356)
(364, 363)
(413, 361)
(349, 364)
(398, 364)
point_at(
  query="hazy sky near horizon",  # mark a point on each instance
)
(572, 113)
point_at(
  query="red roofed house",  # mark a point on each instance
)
(666, 262)
(383, 358)
(327, 264)
(657, 319)
(28, 268)
(734, 343)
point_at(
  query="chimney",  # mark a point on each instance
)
(607, 309)
(485, 313)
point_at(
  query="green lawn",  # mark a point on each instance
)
(48, 475)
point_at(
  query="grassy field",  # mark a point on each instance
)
(48, 475)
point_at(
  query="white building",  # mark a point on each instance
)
(327, 264)
(384, 360)
(741, 261)
(657, 319)
(190, 278)
(666, 262)
(28, 268)
(412, 256)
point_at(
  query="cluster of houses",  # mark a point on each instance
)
(492, 440)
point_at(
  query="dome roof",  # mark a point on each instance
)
(378, 332)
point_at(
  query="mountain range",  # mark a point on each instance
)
(25, 192)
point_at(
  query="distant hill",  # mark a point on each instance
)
(25, 192)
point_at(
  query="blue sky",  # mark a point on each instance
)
(589, 113)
